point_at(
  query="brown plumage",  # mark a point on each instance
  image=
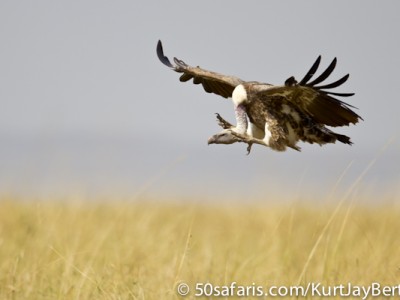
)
(284, 114)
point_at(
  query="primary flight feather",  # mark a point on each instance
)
(275, 116)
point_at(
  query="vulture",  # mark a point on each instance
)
(276, 116)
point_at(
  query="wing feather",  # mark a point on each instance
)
(325, 74)
(185, 77)
(316, 101)
(342, 94)
(311, 72)
(207, 85)
(307, 97)
(334, 84)
(212, 82)
(320, 106)
(197, 80)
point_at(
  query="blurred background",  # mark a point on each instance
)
(87, 108)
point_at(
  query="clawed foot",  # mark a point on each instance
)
(223, 123)
(229, 136)
(249, 140)
(249, 148)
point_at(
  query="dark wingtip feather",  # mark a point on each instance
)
(324, 74)
(161, 56)
(197, 80)
(334, 84)
(185, 77)
(343, 139)
(311, 72)
(340, 94)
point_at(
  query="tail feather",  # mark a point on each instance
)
(323, 135)
(343, 138)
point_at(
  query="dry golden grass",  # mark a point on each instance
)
(122, 250)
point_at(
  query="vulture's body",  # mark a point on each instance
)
(275, 116)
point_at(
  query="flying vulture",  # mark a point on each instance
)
(277, 116)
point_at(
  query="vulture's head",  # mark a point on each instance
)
(224, 137)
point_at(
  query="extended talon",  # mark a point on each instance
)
(221, 122)
(244, 139)
(249, 148)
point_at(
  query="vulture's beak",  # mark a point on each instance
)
(211, 140)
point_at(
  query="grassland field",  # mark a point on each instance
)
(143, 250)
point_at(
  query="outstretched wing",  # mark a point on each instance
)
(212, 82)
(317, 101)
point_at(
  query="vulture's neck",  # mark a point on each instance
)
(239, 97)
(241, 119)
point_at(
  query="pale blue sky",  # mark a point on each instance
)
(87, 107)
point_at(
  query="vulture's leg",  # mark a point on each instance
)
(240, 138)
(223, 123)
(249, 140)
